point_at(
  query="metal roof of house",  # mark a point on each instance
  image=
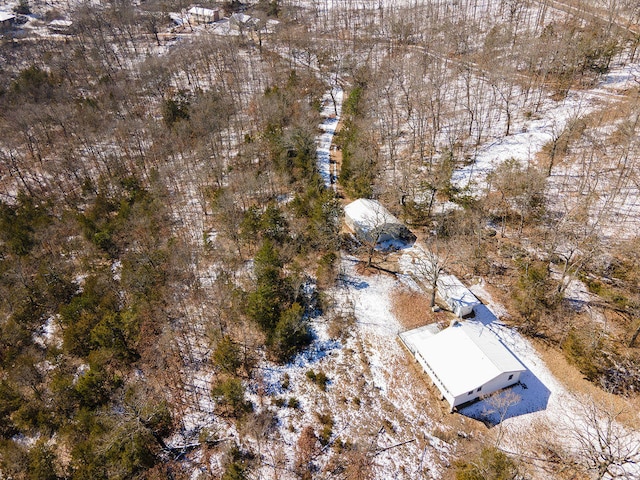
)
(240, 17)
(205, 12)
(4, 16)
(450, 288)
(369, 214)
(466, 356)
(60, 23)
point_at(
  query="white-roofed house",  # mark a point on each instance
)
(373, 223)
(60, 26)
(240, 21)
(465, 361)
(6, 20)
(204, 15)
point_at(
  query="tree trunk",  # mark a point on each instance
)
(634, 337)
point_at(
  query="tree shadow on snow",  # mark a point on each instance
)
(349, 281)
(482, 314)
(528, 396)
(395, 245)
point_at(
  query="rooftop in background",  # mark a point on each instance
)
(6, 16)
(203, 11)
(204, 15)
(61, 26)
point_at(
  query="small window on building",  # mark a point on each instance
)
(479, 388)
(471, 392)
(510, 376)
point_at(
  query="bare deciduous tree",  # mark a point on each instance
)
(431, 262)
(605, 448)
(499, 404)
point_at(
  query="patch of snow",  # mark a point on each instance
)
(47, 333)
(525, 144)
(331, 113)
(211, 237)
(4, 16)
(116, 270)
(80, 371)
(541, 128)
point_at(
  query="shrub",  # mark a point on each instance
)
(226, 356)
(22, 8)
(290, 335)
(320, 379)
(176, 109)
(229, 393)
(490, 464)
(532, 295)
(264, 304)
(585, 356)
(327, 270)
(10, 401)
(237, 464)
(327, 427)
(42, 462)
(94, 387)
(341, 326)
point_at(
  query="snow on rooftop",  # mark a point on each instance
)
(367, 213)
(451, 288)
(4, 16)
(414, 338)
(177, 18)
(205, 12)
(467, 355)
(60, 23)
(240, 17)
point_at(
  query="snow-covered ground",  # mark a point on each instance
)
(331, 112)
(539, 398)
(380, 401)
(540, 129)
(372, 397)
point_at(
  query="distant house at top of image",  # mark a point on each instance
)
(241, 21)
(204, 15)
(371, 222)
(466, 361)
(6, 20)
(60, 26)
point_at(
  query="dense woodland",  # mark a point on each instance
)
(161, 212)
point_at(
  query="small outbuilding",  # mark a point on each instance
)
(204, 15)
(372, 222)
(458, 297)
(465, 361)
